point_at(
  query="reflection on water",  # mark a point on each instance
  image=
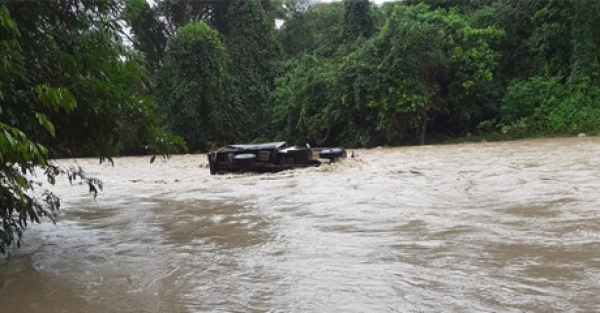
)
(494, 227)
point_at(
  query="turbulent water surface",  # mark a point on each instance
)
(487, 227)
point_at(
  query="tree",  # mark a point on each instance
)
(76, 45)
(558, 93)
(296, 34)
(423, 65)
(190, 87)
(302, 102)
(316, 28)
(254, 53)
(66, 81)
(148, 33)
(358, 22)
(586, 58)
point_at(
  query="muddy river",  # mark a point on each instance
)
(485, 227)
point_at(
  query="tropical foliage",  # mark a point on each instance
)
(67, 88)
(191, 85)
(357, 74)
(100, 78)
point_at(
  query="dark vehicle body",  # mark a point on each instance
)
(268, 157)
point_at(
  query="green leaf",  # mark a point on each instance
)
(43, 120)
(10, 139)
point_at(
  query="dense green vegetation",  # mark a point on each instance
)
(357, 74)
(68, 87)
(102, 78)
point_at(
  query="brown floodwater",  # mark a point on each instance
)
(485, 227)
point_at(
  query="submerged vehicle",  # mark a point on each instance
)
(268, 157)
